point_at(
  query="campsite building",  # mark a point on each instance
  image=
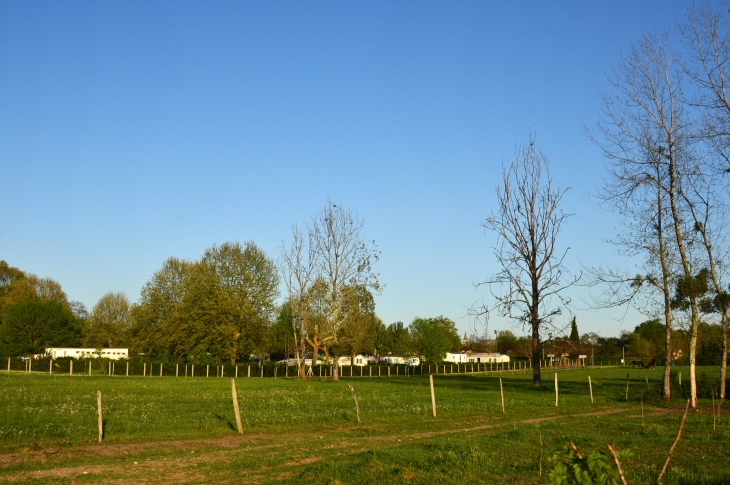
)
(87, 353)
(487, 357)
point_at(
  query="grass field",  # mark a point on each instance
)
(178, 430)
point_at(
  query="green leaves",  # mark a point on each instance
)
(433, 337)
(222, 305)
(596, 468)
(31, 325)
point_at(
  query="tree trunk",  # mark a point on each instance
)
(723, 363)
(693, 355)
(536, 376)
(667, 392)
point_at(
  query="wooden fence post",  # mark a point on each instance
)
(590, 386)
(235, 406)
(249, 370)
(160, 369)
(127, 369)
(144, 370)
(99, 421)
(192, 370)
(388, 370)
(89, 367)
(207, 370)
(501, 391)
(113, 370)
(71, 368)
(186, 370)
(177, 368)
(8, 365)
(236, 371)
(627, 386)
(50, 367)
(357, 406)
(556, 389)
(433, 396)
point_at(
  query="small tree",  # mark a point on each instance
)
(574, 336)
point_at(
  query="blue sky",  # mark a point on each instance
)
(135, 131)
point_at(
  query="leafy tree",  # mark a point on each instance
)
(506, 341)
(222, 305)
(431, 338)
(399, 340)
(156, 318)
(109, 322)
(29, 327)
(381, 338)
(359, 319)
(249, 281)
(282, 340)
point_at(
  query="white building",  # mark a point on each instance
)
(359, 360)
(455, 357)
(86, 353)
(392, 359)
(487, 357)
(293, 361)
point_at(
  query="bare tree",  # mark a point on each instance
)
(634, 189)
(707, 35)
(344, 258)
(707, 210)
(297, 266)
(647, 123)
(527, 223)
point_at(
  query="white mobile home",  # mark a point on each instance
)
(487, 357)
(455, 357)
(392, 359)
(359, 360)
(86, 353)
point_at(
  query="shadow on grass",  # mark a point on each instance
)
(226, 420)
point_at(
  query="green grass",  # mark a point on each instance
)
(182, 430)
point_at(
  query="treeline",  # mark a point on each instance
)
(646, 341)
(226, 306)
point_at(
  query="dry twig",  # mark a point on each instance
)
(676, 440)
(618, 464)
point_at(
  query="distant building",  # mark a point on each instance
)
(392, 359)
(359, 360)
(456, 357)
(487, 357)
(86, 353)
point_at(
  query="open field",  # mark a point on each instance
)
(163, 430)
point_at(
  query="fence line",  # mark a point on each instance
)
(267, 369)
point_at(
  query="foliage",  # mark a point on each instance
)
(398, 340)
(222, 305)
(432, 337)
(574, 335)
(109, 321)
(570, 467)
(31, 325)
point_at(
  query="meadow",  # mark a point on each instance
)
(182, 430)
